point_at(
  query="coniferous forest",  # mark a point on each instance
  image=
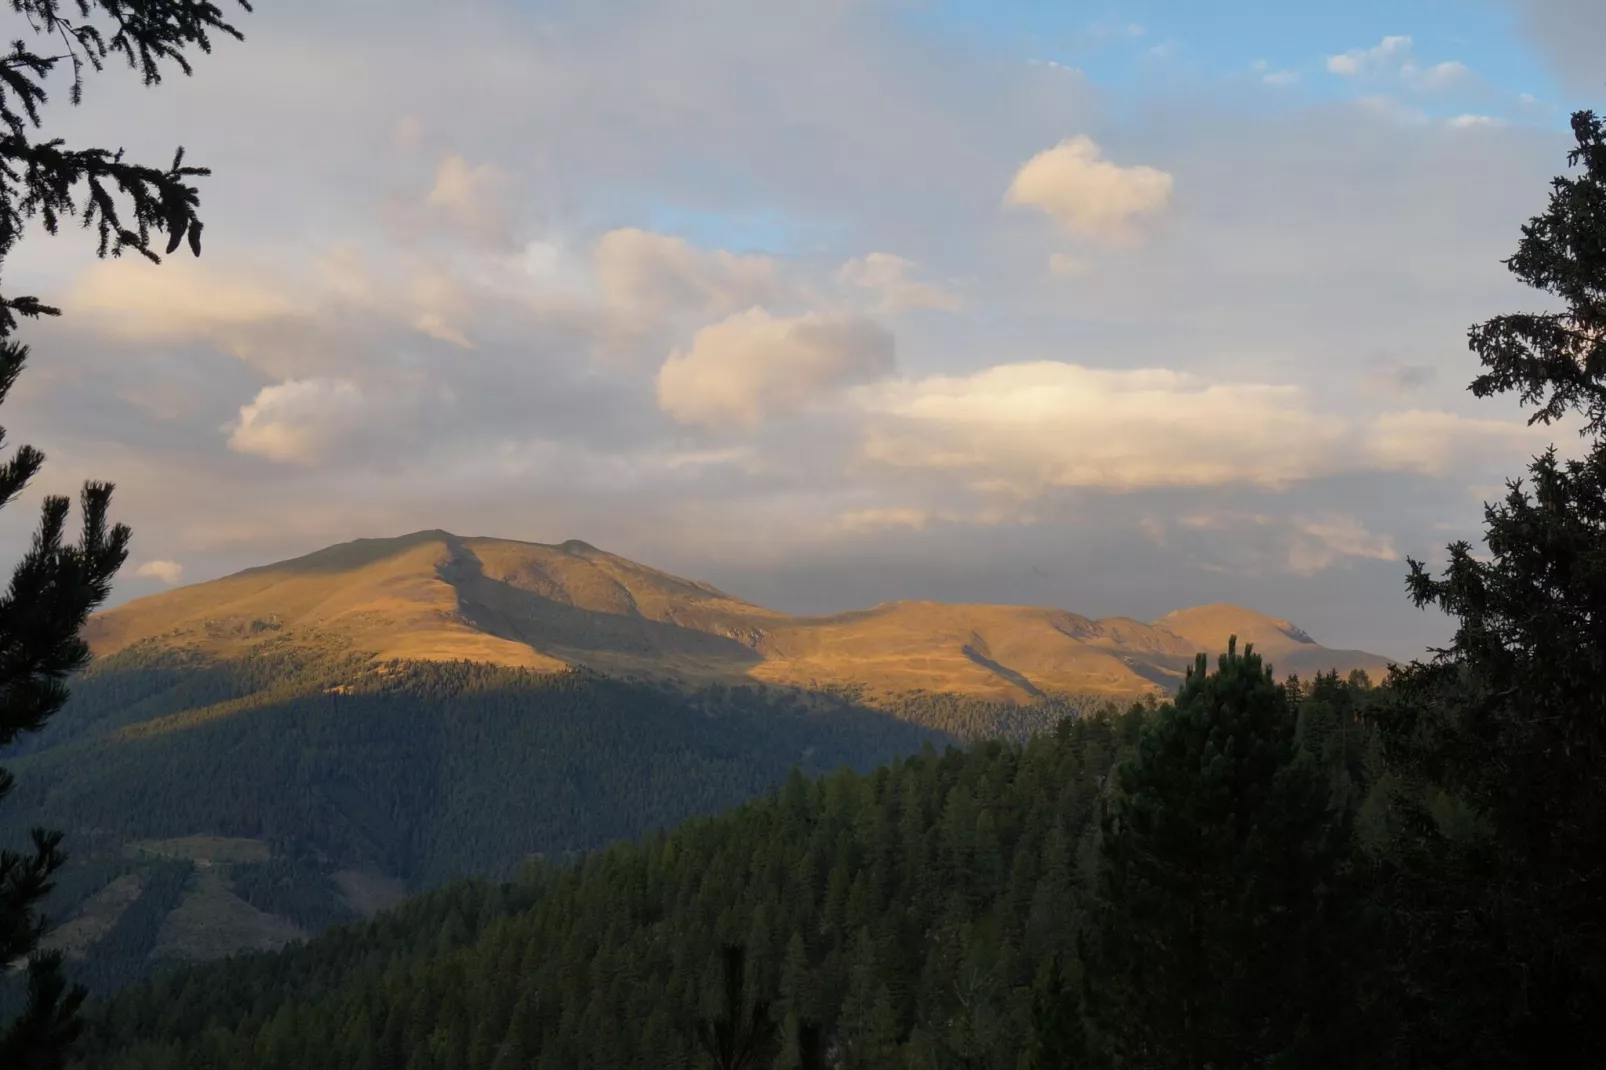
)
(1261, 871)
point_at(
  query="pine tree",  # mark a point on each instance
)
(810, 1046)
(1059, 1037)
(1216, 851)
(743, 1036)
(1511, 717)
(59, 583)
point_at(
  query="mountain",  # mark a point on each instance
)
(433, 596)
(255, 758)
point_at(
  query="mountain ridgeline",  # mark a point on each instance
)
(253, 759)
(432, 596)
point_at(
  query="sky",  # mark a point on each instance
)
(1113, 307)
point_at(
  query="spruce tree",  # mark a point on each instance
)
(743, 1037)
(1217, 861)
(1059, 1040)
(59, 582)
(1510, 931)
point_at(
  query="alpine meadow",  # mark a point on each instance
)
(753, 536)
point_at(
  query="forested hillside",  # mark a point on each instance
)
(213, 807)
(917, 911)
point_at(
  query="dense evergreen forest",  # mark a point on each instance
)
(419, 772)
(425, 771)
(921, 911)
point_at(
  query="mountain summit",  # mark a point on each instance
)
(434, 596)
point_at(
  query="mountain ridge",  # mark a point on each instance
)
(435, 596)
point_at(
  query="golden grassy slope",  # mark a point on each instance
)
(436, 596)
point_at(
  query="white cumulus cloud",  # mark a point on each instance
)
(753, 364)
(1390, 53)
(1392, 58)
(1025, 428)
(169, 572)
(183, 298)
(296, 420)
(1087, 194)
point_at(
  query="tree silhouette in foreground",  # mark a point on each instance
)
(1511, 716)
(58, 583)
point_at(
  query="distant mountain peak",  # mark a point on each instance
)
(433, 596)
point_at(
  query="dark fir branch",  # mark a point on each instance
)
(58, 582)
(124, 203)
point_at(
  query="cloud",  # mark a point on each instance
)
(473, 198)
(1107, 29)
(1300, 545)
(752, 365)
(645, 273)
(1269, 76)
(297, 421)
(1321, 542)
(889, 277)
(1393, 379)
(1392, 57)
(1389, 54)
(134, 299)
(1438, 76)
(439, 307)
(1433, 442)
(1065, 266)
(1569, 32)
(875, 519)
(288, 320)
(1084, 193)
(1025, 428)
(1386, 107)
(807, 117)
(169, 572)
(409, 133)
